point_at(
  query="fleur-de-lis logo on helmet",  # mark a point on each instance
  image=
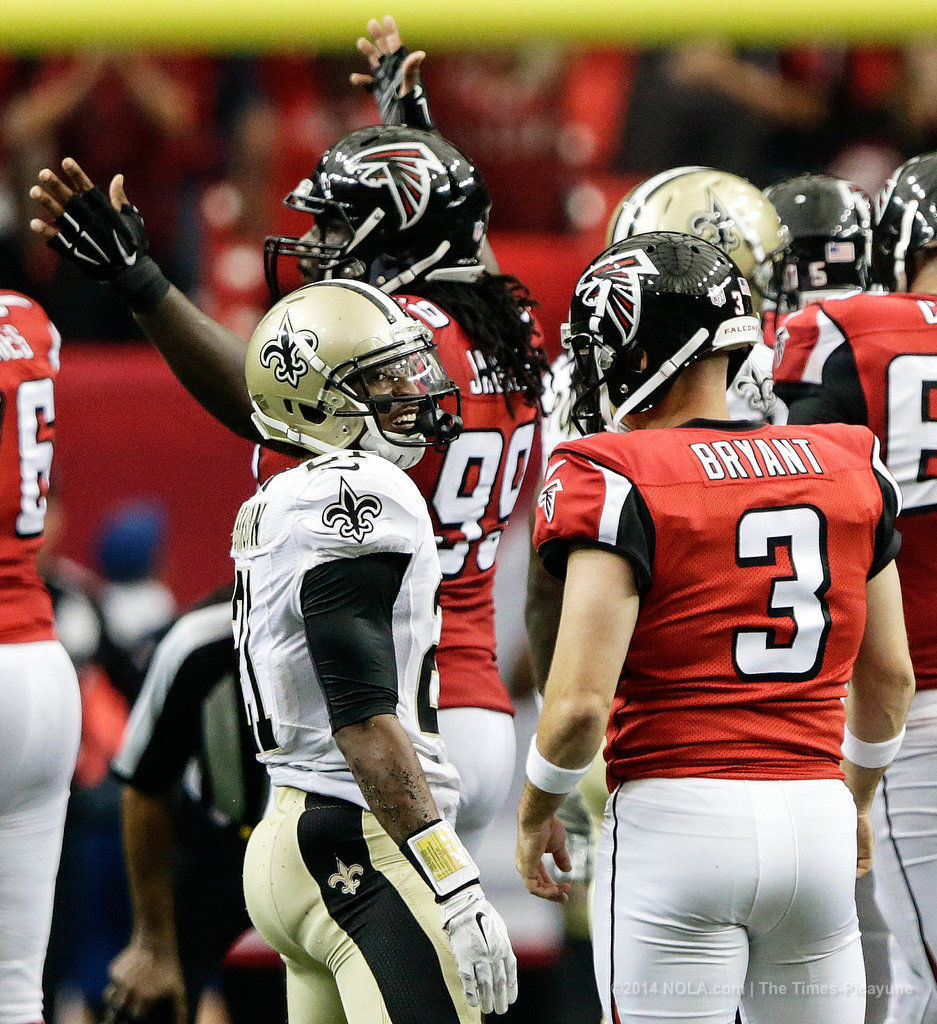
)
(715, 225)
(282, 353)
(612, 289)
(353, 515)
(349, 878)
(405, 171)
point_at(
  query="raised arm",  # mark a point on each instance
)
(879, 696)
(106, 238)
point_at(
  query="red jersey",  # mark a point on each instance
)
(751, 548)
(872, 359)
(471, 490)
(29, 363)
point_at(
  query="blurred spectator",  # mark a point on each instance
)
(709, 104)
(149, 116)
(289, 111)
(136, 605)
(74, 590)
(503, 108)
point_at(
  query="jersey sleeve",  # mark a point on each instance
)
(352, 508)
(586, 504)
(887, 538)
(27, 333)
(815, 372)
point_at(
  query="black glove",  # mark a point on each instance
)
(411, 110)
(111, 246)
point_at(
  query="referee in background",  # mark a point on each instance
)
(193, 791)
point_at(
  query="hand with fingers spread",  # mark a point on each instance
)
(395, 81)
(104, 236)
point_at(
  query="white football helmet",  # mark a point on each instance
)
(720, 208)
(338, 364)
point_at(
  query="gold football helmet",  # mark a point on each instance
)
(722, 209)
(338, 364)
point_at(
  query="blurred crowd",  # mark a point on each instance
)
(209, 146)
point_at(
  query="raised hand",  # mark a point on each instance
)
(385, 41)
(103, 235)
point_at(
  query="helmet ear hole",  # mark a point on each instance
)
(309, 414)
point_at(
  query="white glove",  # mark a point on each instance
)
(479, 939)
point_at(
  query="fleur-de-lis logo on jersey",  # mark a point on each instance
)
(405, 171)
(353, 515)
(715, 225)
(349, 878)
(282, 353)
(612, 289)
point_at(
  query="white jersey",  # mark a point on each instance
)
(557, 402)
(751, 394)
(333, 507)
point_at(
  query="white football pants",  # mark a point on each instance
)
(905, 819)
(481, 744)
(716, 892)
(40, 726)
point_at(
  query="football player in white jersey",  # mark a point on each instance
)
(356, 876)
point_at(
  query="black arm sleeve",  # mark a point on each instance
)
(348, 608)
(839, 399)
(887, 538)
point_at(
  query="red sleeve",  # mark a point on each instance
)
(794, 343)
(584, 503)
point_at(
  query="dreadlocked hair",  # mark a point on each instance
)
(494, 311)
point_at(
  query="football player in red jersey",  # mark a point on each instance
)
(40, 710)
(724, 580)
(403, 209)
(872, 359)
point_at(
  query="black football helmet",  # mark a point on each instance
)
(827, 243)
(645, 309)
(390, 204)
(905, 220)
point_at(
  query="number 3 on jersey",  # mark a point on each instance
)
(801, 529)
(465, 499)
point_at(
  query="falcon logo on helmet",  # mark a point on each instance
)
(612, 288)
(283, 355)
(715, 225)
(405, 171)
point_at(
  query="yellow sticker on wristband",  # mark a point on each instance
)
(438, 852)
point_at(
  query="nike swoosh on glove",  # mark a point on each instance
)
(110, 245)
(483, 954)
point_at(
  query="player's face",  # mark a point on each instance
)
(398, 381)
(325, 231)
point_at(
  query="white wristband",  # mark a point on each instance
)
(548, 776)
(439, 856)
(871, 755)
